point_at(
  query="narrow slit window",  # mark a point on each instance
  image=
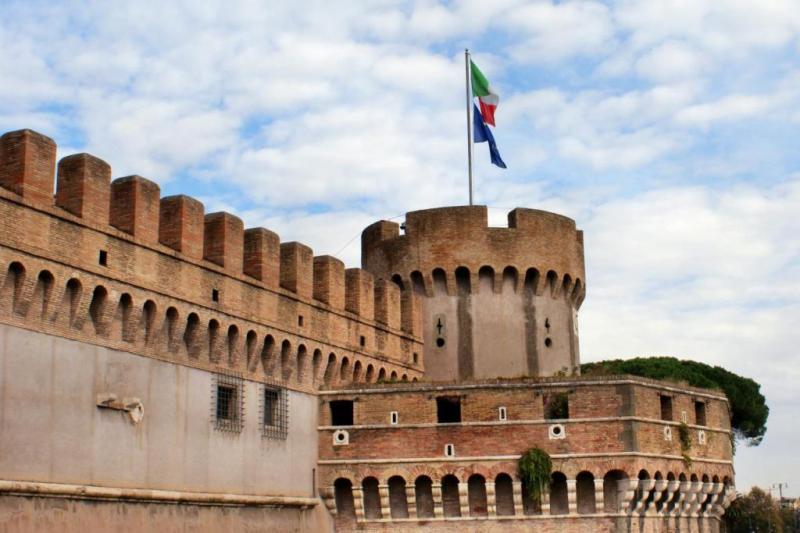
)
(102, 259)
(393, 418)
(362, 340)
(700, 413)
(449, 450)
(502, 414)
(215, 295)
(300, 320)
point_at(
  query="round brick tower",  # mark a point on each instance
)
(497, 302)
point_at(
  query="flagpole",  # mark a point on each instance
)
(468, 71)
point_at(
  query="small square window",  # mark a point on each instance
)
(448, 409)
(103, 258)
(228, 400)
(556, 406)
(215, 295)
(341, 412)
(274, 413)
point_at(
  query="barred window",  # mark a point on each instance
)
(228, 402)
(274, 412)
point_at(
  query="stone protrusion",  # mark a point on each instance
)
(223, 241)
(27, 163)
(297, 270)
(329, 281)
(182, 225)
(359, 292)
(135, 207)
(262, 256)
(84, 186)
(387, 303)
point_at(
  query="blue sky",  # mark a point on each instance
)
(666, 128)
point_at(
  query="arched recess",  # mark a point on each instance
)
(552, 282)
(191, 335)
(584, 492)
(559, 502)
(43, 292)
(343, 493)
(423, 493)
(124, 315)
(451, 503)
(476, 492)
(345, 373)
(149, 313)
(302, 364)
(171, 326)
(532, 279)
(439, 281)
(504, 495)
(358, 370)
(463, 281)
(398, 280)
(213, 338)
(316, 365)
(251, 345)
(12, 287)
(382, 375)
(393, 377)
(510, 277)
(330, 370)
(418, 282)
(73, 297)
(398, 502)
(614, 484)
(372, 498)
(268, 359)
(233, 345)
(530, 505)
(97, 310)
(287, 361)
(486, 280)
(404, 378)
(370, 377)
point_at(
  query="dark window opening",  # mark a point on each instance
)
(448, 409)
(229, 397)
(103, 258)
(666, 408)
(342, 413)
(300, 320)
(226, 402)
(700, 413)
(548, 342)
(270, 407)
(215, 295)
(556, 406)
(362, 340)
(274, 413)
(415, 358)
(440, 342)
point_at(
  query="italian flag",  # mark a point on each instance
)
(487, 98)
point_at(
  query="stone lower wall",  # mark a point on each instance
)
(23, 514)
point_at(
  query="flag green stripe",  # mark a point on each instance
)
(480, 85)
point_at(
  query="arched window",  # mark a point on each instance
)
(614, 484)
(451, 503)
(476, 491)
(423, 492)
(504, 495)
(559, 503)
(398, 503)
(372, 498)
(343, 493)
(584, 488)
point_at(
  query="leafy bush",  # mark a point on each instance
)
(749, 409)
(535, 468)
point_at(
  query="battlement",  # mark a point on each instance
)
(452, 248)
(124, 232)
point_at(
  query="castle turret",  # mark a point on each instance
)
(497, 302)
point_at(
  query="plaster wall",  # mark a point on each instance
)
(51, 429)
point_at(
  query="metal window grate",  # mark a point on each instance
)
(274, 412)
(227, 402)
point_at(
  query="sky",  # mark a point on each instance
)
(666, 128)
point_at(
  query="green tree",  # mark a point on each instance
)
(758, 512)
(749, 410)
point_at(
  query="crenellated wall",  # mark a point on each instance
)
(117, 259)
(497, 302)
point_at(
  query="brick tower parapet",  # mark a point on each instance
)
(497, 302)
